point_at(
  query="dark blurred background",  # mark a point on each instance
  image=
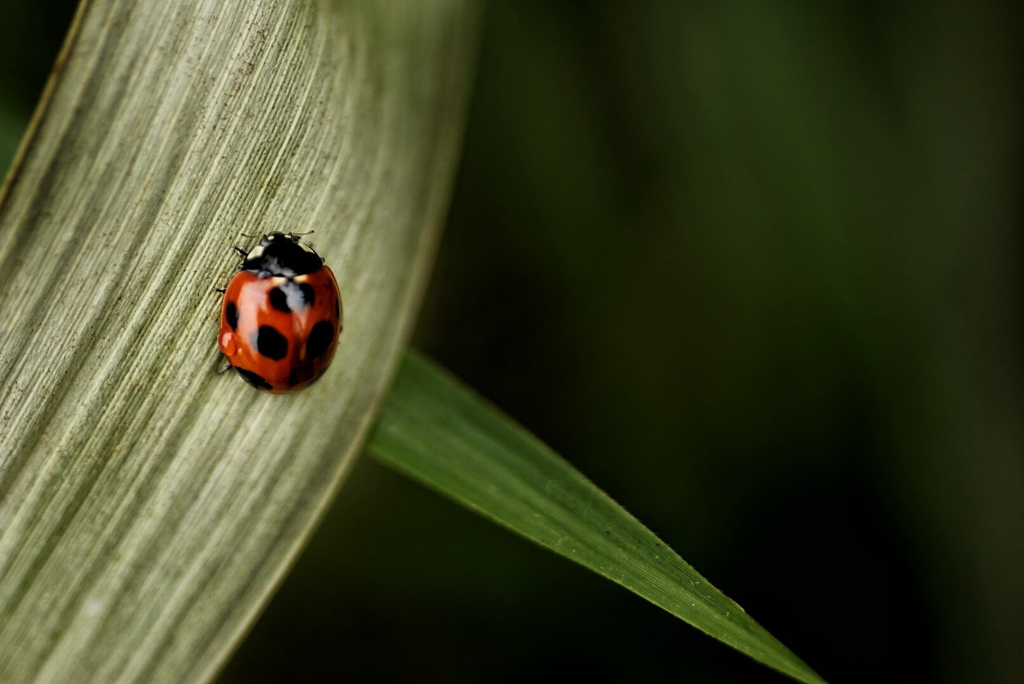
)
(755, 269)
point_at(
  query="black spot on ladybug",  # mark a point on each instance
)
(279, 300)
(319, 339)
(231, 314)
(254, 379)
(291, 296)
(271, 343)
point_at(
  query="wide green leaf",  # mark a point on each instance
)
(148, 506)
(443, 435)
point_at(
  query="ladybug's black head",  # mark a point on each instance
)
(281, 254)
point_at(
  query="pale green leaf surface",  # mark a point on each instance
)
(446, 437)
(148, 506)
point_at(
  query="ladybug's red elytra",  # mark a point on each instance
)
(281, 316)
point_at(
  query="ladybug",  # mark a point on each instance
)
(281, 316)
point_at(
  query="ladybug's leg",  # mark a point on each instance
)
(219, 289)
(241, 251)
(224, 370)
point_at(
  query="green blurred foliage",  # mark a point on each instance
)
(30, 37)
(754, 268)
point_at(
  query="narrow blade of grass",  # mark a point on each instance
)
(443, 435)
